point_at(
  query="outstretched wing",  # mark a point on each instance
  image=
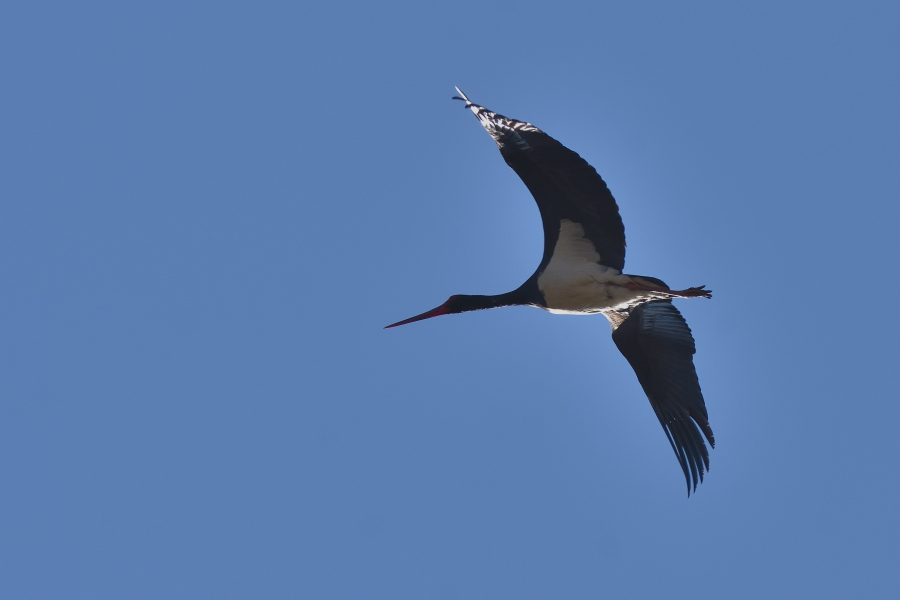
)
(563, 184)
(657, 342)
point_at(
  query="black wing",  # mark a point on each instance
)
(563, 184)
(657, 342)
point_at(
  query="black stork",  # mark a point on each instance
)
(581, 274)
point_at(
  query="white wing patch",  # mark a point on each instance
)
(572, 246)
(575, 282)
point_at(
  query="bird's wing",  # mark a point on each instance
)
(657, 342)
(563, 184)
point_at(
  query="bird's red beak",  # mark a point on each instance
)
(434, 312)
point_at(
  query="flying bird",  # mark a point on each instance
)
(581, 274)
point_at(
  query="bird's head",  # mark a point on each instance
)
(460, 303)
(454, 304)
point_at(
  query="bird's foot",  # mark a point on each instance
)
(693, 292)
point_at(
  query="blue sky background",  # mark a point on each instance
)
(210, 210)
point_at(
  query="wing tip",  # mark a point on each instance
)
(696, 467)
(477, 109)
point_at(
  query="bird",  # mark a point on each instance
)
(580, 273)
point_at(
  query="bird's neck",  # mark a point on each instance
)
(466, 303)
(461, 303)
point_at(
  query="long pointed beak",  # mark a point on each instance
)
(434, 312)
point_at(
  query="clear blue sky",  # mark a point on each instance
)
(209, 210)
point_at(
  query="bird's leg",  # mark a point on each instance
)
(692, 292)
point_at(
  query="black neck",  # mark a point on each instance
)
(526, 295)
(465, 303)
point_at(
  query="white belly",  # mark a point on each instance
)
(575, 283)
(586, 290)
